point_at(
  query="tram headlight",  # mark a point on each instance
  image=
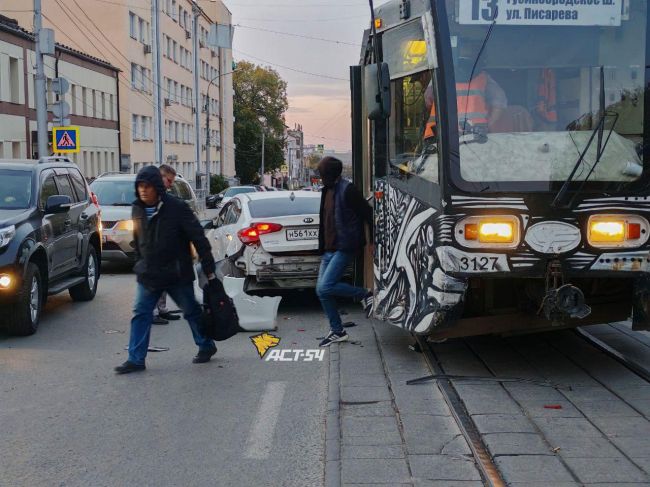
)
(617, 231)
(492, 231)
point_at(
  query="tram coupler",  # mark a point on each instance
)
(562, 301)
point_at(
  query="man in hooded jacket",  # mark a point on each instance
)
(344, 213)
(163, 228)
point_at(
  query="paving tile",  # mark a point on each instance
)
(456, 446)
(503, 423)
(443, 467)
(351, 378)
(487, 399)
(608, 409)
(427, 434)
(516, 444)
(636, 446)
(364, 394)
(420, 399)
(371, 471)
(445, 483)
(623, 426)
(556, 429)
(355, 426)
(372, 451)
(606, 470)
(590, 446)
(381, 408)
(533, 468)
(537, 409)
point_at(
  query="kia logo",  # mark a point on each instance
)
(308, 220)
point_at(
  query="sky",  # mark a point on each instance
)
(320, 101)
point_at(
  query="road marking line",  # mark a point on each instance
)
(260, 439)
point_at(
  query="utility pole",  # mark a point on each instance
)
(41, 98)
(196, 12)
(157, 83)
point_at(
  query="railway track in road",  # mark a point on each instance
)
(620, 357)
(482, 457)
(553, 380)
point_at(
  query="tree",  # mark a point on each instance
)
(313, 160)
(259, 93)
(217, 183)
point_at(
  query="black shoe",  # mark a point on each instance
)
(158, 320)
(333, 338)
(128, 367)
(167, 315)
(203, 356)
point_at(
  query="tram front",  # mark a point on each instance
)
(510, 163)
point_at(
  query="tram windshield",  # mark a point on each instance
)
(539, 84)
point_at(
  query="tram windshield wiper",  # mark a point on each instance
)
(599, 130)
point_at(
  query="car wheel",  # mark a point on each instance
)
(86, 290)
(25, 314)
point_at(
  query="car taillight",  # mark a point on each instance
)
(251, 235)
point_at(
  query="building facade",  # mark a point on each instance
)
(93, 98)
(121, 33)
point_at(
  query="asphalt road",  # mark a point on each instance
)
(66, 419)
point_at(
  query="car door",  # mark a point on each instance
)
(225, 233)
(72, 237)
(53, 228)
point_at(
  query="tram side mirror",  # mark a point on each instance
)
(377, 89)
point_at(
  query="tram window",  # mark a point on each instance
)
(528, 84)
(413, 130)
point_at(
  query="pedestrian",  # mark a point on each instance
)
(163, 229)
(161, 315)
(344, 214)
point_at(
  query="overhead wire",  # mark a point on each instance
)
(302, 36)
(320, 75)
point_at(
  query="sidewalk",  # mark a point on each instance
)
(382, 431)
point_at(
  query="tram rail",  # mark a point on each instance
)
(627, 362)
(482, 457)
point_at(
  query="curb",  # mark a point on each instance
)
(332, 423)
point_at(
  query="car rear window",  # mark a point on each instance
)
(272, 207)
(230, 192)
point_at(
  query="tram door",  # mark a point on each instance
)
(405, 156)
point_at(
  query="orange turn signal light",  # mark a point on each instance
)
(378, 23)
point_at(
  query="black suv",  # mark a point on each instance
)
(49, 239)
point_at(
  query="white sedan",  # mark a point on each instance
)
(278, 233)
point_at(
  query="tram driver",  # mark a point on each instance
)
(480, 102)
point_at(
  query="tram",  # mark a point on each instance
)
(505, 146)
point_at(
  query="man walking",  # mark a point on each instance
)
(343, 215)
(164, 227)
(161, 314)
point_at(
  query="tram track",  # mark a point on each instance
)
(488, 469)
(624, 360)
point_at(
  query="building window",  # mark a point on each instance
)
(14, 80)
(94, 112)
(134, 128)
(173, 12)
(134, 75)
(84, 100)
(103, 104)
(132, 25)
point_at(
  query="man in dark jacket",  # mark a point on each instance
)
(163, 229)
(344, 214)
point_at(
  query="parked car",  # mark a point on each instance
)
(279, 235)
(216, 200)
(116, 193)
(49, 239)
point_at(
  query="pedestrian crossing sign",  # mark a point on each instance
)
(65, 140)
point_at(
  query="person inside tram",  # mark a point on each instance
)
(480, 102)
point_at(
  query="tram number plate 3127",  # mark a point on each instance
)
(479, 264)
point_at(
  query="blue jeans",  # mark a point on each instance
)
(145, 302)
(329, 286)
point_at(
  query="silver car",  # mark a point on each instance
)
(116, 193)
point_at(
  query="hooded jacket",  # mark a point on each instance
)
(162, 244)
(351, 212)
